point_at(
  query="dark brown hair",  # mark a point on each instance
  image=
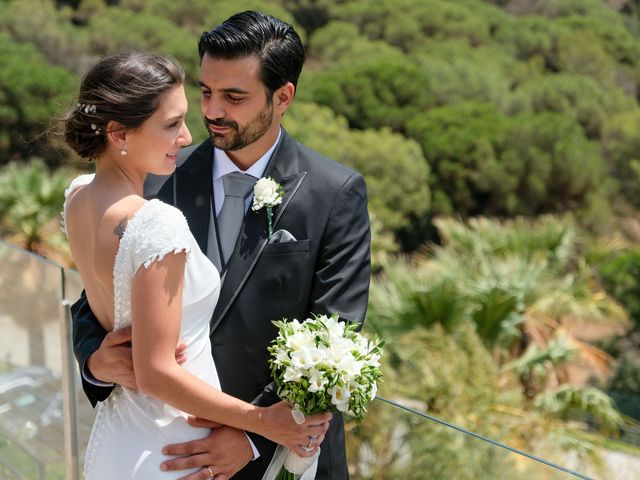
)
(273, 41)
(126, 88)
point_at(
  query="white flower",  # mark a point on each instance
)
(340, 398)
(317, 380)
(300, 340)
(350, 366)
(335, 327)
(292, 374)
(374, 390)
(340, 348)
(266, 193)
(282, 357)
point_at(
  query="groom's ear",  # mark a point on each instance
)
(283, 97)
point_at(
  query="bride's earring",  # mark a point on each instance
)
(123, 151)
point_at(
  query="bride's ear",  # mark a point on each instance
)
(116, 134)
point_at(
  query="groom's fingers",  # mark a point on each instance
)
(227, 449)
(180, 357)
(319, 419)
(317, 430)
(118, 337)
(202, 422)
(112, 361)
(187, 448)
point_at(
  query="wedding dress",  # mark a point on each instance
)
(131, 428)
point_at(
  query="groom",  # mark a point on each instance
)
(316, 260)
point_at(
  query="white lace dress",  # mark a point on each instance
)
(131, 428)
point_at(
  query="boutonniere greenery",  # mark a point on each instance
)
(267, 193)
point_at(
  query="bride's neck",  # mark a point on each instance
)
(120, 175)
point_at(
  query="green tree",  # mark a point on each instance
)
(31, 94)
(376, 92)
(486, 163)
(621, 145)
(340, 42)
(388, 20)
(619, 276)
(583, 53)
(459, 72)
(50, 29)
(532, 38)
(119, 29)
(459, 142)
(577, 96)
(394, 168)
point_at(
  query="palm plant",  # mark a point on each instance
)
(31, 199)
(525, 281)
(524, 287)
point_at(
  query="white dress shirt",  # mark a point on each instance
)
(223, 165)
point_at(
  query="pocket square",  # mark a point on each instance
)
(281, 236)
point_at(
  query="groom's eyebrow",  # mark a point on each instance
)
(226, 90)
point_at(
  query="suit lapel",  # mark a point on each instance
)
(284, 169)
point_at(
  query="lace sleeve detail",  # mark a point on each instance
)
(156, 230)
(76, 183)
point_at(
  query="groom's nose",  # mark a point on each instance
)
(212, 109)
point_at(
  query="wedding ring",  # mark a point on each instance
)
(211, 475)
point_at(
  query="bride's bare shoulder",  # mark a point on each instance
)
(118, 215)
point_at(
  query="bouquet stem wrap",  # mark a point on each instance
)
(286, 465)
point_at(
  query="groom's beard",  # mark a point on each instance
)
(239, 137)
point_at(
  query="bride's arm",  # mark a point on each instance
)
(156, 313)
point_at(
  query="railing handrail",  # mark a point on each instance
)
(483, 438)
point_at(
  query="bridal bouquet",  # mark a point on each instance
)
(322, 365)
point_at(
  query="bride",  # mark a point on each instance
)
(141, 267)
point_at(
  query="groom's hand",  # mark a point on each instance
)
(113, 363)
(225, 449)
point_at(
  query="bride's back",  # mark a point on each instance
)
(95, 221)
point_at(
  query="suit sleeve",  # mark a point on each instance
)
(87, 337)
(343, 270)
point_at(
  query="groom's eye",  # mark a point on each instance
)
(205, 93)
(233, 99)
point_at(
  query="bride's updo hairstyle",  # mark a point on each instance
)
(126, 88)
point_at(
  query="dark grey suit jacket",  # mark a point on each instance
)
(326, 270)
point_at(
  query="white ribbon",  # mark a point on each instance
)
(302, 468)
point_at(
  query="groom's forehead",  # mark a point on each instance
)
(230, 73)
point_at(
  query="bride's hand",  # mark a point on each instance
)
(304, 438)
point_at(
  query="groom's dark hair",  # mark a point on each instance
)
(250, 33)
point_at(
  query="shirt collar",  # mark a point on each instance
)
(222, 164)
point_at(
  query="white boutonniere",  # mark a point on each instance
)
(267, 193)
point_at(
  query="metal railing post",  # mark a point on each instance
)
(72, 464)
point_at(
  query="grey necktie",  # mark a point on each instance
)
(236, 188)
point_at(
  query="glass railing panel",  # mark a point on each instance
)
(84, 413)
(31, 403)
(394, 444)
